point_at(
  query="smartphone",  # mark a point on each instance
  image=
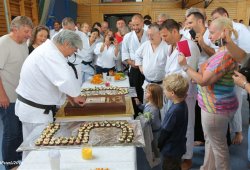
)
(192, 33)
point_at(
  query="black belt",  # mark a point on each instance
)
(88, 63)
(40, 106)
(74, 68)
(156, 82)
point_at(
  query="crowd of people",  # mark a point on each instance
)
(41, 68)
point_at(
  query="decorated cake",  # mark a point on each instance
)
(98, 105)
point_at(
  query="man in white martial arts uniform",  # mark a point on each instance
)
(57, 27)
(13, 52)
(196, 22)
(45, 81)
(151, 57)
(243, 43)
(134, 41)
(170, 33)
(76, 59)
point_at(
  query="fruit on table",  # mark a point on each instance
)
(97, 79)
(117, 77)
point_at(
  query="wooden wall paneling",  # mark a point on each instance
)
(34, 11)
(3, 26)
(84, 13)
(242, 10)
(172, 9)
(22, 8)
(14, 8)
(247, 21)
(237, 9)
(95, 14)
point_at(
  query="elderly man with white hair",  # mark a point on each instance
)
(46, 80)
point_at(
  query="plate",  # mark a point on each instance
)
(121, 79)
(98, 83)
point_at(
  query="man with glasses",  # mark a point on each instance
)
(46, 80)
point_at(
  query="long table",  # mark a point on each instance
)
(114, 158)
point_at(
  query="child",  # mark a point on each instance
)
(151, 110)
(172, 139)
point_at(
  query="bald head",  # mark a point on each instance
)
(138, 23)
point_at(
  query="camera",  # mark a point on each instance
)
(111, 39)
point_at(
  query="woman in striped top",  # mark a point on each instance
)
(216, 95)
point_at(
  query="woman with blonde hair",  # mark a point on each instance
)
(216, 95)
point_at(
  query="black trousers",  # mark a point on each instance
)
(136, 80)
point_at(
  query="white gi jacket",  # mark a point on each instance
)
(131, 43)
(106, 59)
(173, 66)
(45, 79)
(153, 62)
(243, 37)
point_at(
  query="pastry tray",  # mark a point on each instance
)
(98, 136)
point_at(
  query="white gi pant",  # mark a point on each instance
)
(27, 129)
(191, 101)
(236, 120)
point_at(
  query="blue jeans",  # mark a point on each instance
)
(12, 136)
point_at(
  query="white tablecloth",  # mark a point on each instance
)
(114, 158)
(121, 83)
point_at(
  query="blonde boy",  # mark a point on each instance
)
(172, 140)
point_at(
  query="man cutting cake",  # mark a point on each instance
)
(45, 81)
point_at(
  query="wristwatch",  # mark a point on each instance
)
(244, 84)
(185, 68)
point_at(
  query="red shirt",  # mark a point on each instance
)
(118, 38)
